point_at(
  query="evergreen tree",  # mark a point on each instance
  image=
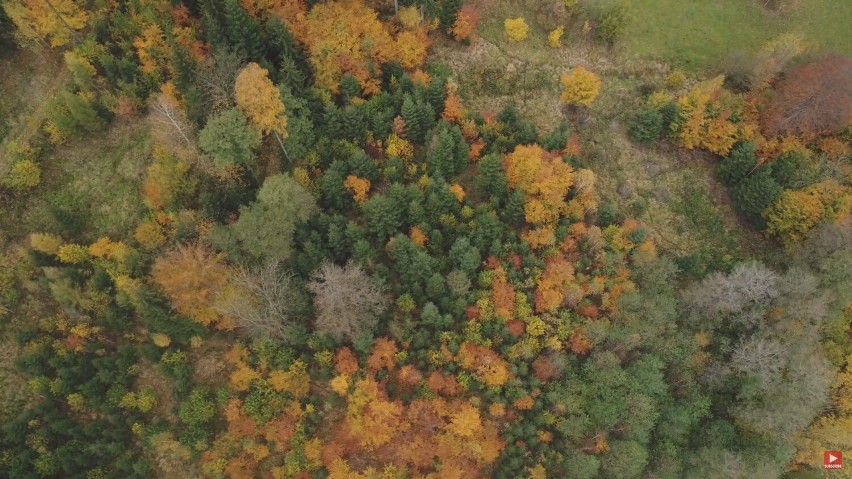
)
(441, 161)
(414, 123)
(82, 112)
(436, 93)
(214, 29)
(384, 216)
(786, 169)
(491, 180)
(739, 163)
(349, 87)
(646, 126)
(448, 12)
(755, 193)
(243, 31)
(287, 55)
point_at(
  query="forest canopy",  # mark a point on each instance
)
(287, 239)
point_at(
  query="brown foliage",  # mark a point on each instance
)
(345, 361)
(382, 355)
(444, 384)
(193, 277)
(812, 98)
(544, 369)
(347, 300)
(579, 343)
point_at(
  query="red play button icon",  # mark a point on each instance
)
(832, 460)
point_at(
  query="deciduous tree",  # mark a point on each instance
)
(261, 101)
(265, 228)
(348, 302)
(193, 277)
(229, 139)
(263, 302)
(581, 87)
(812, 98)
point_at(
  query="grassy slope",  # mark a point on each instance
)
(697, 33)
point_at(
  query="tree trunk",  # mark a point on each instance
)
(281, 144)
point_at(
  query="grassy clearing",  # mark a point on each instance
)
(101, 173)
(104, 175)
(695, 34)
(671, 190)
(28, 81)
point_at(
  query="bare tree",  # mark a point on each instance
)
(761, 358)
(217, 78)
(742, 294)
(172, 120)
(347, 301)
(262, 301)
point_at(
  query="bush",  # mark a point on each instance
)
(646, 126)
(516, 29)
(25, 174)
(675, 80)
(611, 21)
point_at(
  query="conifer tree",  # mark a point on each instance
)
(414, 127)
(83, 113)
(243, 31)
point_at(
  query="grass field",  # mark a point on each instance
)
(695, 34)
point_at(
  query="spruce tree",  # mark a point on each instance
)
(414, 127)
(755, 193)
(441, 160)
(739, 163)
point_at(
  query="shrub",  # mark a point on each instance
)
(516, 29)
(646, 126)
(554, 38)
(611, 22)
(675, 79)
(25, 174)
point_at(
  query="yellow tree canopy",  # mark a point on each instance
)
(581, 87)
(348, 37)
(261, 101)
(516, 29)
(39, 20)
